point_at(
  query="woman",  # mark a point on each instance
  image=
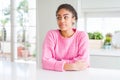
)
(65, 48)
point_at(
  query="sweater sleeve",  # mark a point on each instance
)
(83, 48)
(48, 59)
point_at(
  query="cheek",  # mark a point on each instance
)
(70, 22)
(58, 23)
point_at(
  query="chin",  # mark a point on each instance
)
(63, 29)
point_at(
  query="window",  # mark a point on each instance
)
(23, 29)
(105, 22)
(5, 30)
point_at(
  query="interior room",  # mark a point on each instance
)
(24, 24)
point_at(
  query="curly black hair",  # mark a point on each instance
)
(69, 8)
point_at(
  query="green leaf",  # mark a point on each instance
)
(95, 35)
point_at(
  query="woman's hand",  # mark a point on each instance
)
(79, 65)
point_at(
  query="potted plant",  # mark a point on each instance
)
(23, 50)
(22, 10)
(107, 41)
(95, 40)
(4, 21)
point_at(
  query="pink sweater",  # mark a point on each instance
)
(58, 50)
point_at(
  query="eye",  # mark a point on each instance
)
(58, 18)
(66, 17)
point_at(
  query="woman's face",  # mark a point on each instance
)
(65, 19)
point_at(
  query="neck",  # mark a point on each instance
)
(67, 33)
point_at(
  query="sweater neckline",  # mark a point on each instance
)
(74, 29)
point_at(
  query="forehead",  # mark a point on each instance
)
(63, 12)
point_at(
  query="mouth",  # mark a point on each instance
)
(62, 25)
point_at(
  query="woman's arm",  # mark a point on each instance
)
(48, 60)
(80, 62)
(79, 65)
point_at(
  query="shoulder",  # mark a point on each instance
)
(81, 34)
(52, 33)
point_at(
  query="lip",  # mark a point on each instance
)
(62, 25)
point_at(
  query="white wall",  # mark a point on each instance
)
(46, 19)
(100, 5)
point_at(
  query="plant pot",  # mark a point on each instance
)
(22, 52)
(95, 44)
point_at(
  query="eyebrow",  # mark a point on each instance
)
(63, 14)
